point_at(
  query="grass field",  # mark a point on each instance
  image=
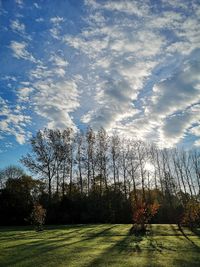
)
(98, 245)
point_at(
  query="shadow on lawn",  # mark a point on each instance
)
(129, 245)
(196, 232)
(38, 251)
(187, 234)
(27, 252)
(189, 239)
(126, 248)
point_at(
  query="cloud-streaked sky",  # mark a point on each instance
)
(130, 66)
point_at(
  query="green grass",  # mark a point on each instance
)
(98, 245)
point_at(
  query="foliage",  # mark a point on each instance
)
(191, 215)
(10, 172)
(143, 212)
(38, 216)
(17, 198)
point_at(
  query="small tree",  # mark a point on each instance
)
(38, 216)
(142, 213)
(191, 216)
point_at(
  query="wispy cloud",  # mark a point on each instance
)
(39, 20)
(126, 6)
(177, 92)
(17, 26)
(20, 3)
(60, 99)
(59, 61)
(53, 96)
(56, 26)
(13, 122)
(19, 50)
(36, 5)
(141, 89)
(129, 66)
(56, 20)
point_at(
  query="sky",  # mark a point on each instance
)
(130, 66)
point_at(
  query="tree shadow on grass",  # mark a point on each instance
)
(196, 231)
(154, 254)
(127, 250)
(128, 245)
(188, 238)
(37, 249)
(183, 256)
(131, 245)
(179, 232)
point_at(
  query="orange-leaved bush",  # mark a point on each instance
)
(38, 216)
(191, 216)
(143, 212)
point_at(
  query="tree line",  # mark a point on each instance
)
(94, 177)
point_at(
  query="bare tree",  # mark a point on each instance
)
(90, 160)
(42, 160)
(102, 140)
(10, 172)
(79, 158)
(133, 167)
(115, 141)
(195, 156)
(142, 157)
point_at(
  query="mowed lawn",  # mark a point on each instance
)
(98, 245)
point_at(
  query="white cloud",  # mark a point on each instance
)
(13, 122)
(126, 6)
(9, 78)
(59, 61)
(114, 104)
(195, 130)
(24, 93)
(197, 143)
(92, 3)
(123, 60)
(54, 102)
(20, 51)
(55, 32)
(53, 97)
(57, 20)
(17, 26)
(177, 92)
(89, 47)
(123, 57)
(174, 106)
(176, 4)
(36, 5)
(39, 19)
(40, 72)
(20, 3)
(140, 67)
(60, 72)
(175, 127)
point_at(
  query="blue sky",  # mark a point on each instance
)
(130, 66)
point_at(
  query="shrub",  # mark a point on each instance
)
(142, 213)
(191, 215)
(38, 216)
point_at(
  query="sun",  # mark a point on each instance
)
(149, 167)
